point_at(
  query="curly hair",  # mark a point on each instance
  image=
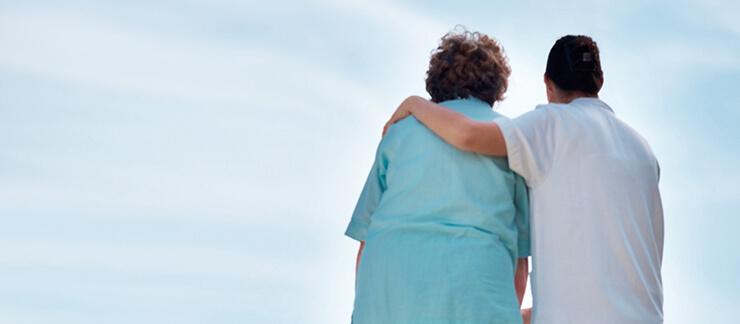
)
(468, 64)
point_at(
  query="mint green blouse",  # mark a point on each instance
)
(442, 228)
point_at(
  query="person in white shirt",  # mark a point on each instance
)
(596, 213)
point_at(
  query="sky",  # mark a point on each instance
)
(198, 161)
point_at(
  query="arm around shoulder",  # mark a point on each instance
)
(483, 138)
(455, 128)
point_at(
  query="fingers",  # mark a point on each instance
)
(394, 119)
(527, 315)
(398, 115)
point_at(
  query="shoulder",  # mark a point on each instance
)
(629, 132)
(403, 127)
(539, 117)
(402, 130)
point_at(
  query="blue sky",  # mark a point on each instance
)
(198, 161)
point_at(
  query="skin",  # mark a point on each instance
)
(520, 278)
(359, 253)
(527, 315)
(463, 133)
(477, 137)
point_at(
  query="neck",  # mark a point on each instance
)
(566, 98)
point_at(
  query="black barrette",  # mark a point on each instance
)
(585, 63)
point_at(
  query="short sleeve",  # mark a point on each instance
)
(528, 148)
(369, 200)
(521, 202)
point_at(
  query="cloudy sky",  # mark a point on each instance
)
(198, 161)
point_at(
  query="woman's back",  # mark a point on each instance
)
(442, 234)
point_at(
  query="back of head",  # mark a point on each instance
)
(574, 65)
(468, 64)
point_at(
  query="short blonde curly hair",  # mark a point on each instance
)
(468, 64)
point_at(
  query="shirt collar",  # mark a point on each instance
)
(466, 104)
(471, 107)
(589, 102)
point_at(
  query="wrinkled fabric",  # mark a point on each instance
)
(597, 220)
(442, 228)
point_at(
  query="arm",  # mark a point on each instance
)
(370, 197)
(453, 127)
(521, 201)
(520, 278)
(359, 253)
(520, 283)
(527, 315)
(521, 219)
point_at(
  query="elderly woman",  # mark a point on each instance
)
(597, 220)
(442, 230)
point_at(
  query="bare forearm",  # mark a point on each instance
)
(457, 129)
(359, 253)
(520, 278)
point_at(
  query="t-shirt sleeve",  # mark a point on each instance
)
(521, 202)
(369, 200)
(528, 147)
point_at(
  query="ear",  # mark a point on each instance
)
(549, 89)
(599, 83)
(548, 84)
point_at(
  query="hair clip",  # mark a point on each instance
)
(586, 63)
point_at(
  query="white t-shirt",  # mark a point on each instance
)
(596, 215)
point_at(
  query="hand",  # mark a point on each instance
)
(401, 112)
(527, 315)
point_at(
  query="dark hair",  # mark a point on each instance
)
(574, 64)
(468, 64)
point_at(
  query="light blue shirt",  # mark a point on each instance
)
(442, 228)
